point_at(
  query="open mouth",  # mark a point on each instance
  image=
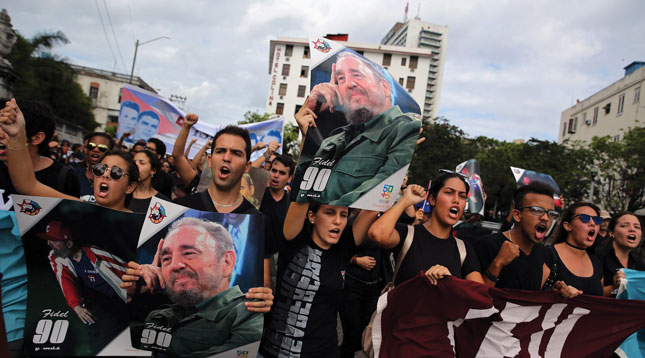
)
(103, 190)
(591, 235)
(454, 212)
(540, 230)
(334, 233)
(94, 157)
(224, 172)
(3, 149)
(631, 238)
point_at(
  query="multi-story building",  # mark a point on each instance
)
(610, 111)
(415, 33)
(289, 67)
(104, 88)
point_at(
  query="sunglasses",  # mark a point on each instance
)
(116, 173)
(102, 147)
(585, 218)
(539, 211)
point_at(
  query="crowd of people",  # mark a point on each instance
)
(323, 260)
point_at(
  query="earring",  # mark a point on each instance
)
(311, 221)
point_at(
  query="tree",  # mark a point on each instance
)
(46, 77)
(290, 144)
(255, 117)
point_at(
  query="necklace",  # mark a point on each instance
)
(574, 246)
(237, 202)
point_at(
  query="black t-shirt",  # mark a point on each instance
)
(202, 201)
(591, 285)
(309, 292)
(162, 182)
(52, 176)
(611, 264)
(524, 273)
(368, 248)
(428, 250)
(86, 187)
(275, 213)
(141, 205)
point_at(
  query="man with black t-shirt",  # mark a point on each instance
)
(515, 258)
(162, 181)
(98, 143)
(231, 156)
(274, 206)
(40, 126)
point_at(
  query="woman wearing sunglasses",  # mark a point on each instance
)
(148, 165)
(577, 230)
(115, 177)
(433, 247)
(625, 232)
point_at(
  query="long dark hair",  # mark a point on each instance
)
(154, 161)
(133, 170)
(561, 234)
(440, 181)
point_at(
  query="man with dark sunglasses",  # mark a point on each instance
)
(98, 143)
(515, 258)
(40, 127)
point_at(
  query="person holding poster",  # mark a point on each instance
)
(377, 141)
(194, 263)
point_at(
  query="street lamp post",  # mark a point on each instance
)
(136, 48)
(594, 173)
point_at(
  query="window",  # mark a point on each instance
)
(298, 106)
(306, 53)
(621, 104)
(387, 59)
(279, 108)
(414, 60)
(304, 72)
(94, 90)
(120, 93)
(564, 129)
(401, 81)
(283, 89)
(410, 83)
(637, 94)
(301, 91)
(571, 130)
(584, 118)
(607, 108)
(289, 51)
(575, 124)
(403, 61)
(595, 115)
(285, 69)
(617, 138)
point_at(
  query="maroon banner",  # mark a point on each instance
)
(474, 320)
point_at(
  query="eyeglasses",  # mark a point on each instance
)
(116, 173)
(102, 147)
(585, 218)
(539, 211)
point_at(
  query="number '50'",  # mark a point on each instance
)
(47, 330)
(315, 178)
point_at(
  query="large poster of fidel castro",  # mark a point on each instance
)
(366, 130)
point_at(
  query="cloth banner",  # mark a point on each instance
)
(460, 318)
(208, 261)
(76, 255)
(523, 177)
(146, 114)
(634, 345)
(366, 130)
(476, 201)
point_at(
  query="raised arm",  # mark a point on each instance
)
(295, 219)
(190, 145)
(123, 137)
(182, 166)
(272, 148)
(195, 162)
(21, 169)
(382, 231)
(362, 224)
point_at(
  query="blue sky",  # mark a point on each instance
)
(511, 67)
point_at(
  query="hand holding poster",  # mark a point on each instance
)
(476, 197)
(193, 268)
(76, 256)
(365, 134)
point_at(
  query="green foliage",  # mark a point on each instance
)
(290, 143)
(111, 130)
(47, 78)
(255, 117)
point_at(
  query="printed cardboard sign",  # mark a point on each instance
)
(366, 130)
(76, 255)
(197, 267)
(476, 200)
(523, 177)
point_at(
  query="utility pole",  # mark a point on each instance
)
(136, 48)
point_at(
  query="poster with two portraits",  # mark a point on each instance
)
(366, 130)
(189, 300)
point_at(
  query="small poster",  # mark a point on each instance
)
(196, 267)
(252, 187)
(76, 255)
(476, 200)
(523, 177)
(366, 130)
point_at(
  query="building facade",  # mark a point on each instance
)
(104, 88)
(415, 33)
(610, 111)
(289, 70)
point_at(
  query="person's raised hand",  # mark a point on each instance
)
(273, 146)
(326, 93)
(507, 253)
(414, 194)
(437, 272)
(259, 145)
(264, 294)
(421, 139)
(366, 262)
(151, 275)
(190, 120)
(12, 120)
(125, 135)
(305, 117)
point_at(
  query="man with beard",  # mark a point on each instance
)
(515, 258)
(207, 317)
(377, 142)
(90, 279)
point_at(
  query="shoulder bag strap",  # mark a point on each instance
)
(462, 250)
(404, 250)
